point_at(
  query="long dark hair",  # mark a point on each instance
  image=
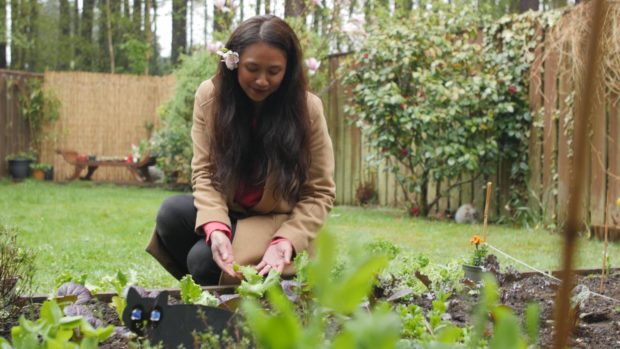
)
(279, 143)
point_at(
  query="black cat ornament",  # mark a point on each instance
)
(172, 325)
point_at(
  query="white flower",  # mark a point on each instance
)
(231, 58)
(313, 65)
(213, 47)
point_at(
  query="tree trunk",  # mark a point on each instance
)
(424, 193)
(31, 58)
(191, 26)
(179, 29)
(241, 6)
(3, 34)
(267, 7)
(64, 26)
(109, 35)
(136, 18)
(86, 25)
(258, 3)
(403, 7)
(16, 27)
(148, 34)
(294, 8)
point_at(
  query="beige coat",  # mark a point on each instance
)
(271, 217)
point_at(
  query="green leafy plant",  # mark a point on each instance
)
(53, 330)
(254, 285)
(39, 107)
(333, 303)
(191, 293)
(41, 166)
(23, 155)
(480, 250)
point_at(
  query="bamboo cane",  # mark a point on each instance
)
(486, 210)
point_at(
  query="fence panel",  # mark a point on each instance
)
(15, 136)
(102, 115)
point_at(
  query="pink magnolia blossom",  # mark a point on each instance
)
(313, 65)
(221, 5)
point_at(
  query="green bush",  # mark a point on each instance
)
(172, 143)
(16, 271)
(425, 98)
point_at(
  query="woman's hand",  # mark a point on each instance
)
(277, 256)
(222, 252)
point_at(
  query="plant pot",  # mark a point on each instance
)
(49, 174)
(472, 272)
(19, 168)
(38, 174)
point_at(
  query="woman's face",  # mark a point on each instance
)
(261, 70)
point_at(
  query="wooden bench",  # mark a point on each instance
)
(80, 162)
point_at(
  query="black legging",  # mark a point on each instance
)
(176, 220)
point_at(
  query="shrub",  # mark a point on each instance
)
(16, 271)
(173, 142)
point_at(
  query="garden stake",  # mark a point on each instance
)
(486, 210)
(563, 328)
(601, 288)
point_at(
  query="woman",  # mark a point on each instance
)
(262, 170)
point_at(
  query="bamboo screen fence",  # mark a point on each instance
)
(102, 115)
(552, 87)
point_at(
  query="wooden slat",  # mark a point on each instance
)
(563, 158)
(598, 154)
(613, 183)
(549, 135)
(534, 156)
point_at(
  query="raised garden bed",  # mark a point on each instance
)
(597, 320)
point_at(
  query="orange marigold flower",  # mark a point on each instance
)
(476, 240)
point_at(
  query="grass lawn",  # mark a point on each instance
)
(97, 229)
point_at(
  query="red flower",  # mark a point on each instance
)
(365, 56)
(414, 211)
(404, 152)
(512, 89)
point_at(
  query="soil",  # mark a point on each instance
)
(597, 325)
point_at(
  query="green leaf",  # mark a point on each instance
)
(532, 321)
(190, 291)
(51, 312)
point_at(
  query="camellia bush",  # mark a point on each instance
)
(442, 98)
(423, 97)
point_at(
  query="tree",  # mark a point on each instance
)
(294, 8)
(179, 29)
(3, 35)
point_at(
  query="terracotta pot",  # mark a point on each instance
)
(38, 174)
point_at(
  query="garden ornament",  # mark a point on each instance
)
(172, 325)
(467, 213)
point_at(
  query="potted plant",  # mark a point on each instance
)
(42, 171)
(19, 164)
(474, 270)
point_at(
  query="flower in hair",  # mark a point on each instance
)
(231, 58)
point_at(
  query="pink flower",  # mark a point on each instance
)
(512, 89)
(317, 3)
(221, 5)
(313, 65)
(230, 58)
(213, 47)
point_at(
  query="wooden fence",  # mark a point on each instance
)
(14, 136)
